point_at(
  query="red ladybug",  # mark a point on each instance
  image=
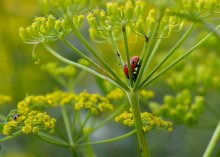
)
(135, 66)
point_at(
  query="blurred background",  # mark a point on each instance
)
(19, 76)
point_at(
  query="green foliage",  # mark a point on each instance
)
(118, 22)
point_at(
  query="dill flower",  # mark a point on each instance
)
(31, 122)
(62, 98)
(45, 29)
(93, 102)
(182, 108)
(201, 74)
(34, 103)
(146, 94)
(149, 121)
(115, 94)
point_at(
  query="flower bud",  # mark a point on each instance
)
(58, 25)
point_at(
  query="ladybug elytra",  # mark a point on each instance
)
(135, 64)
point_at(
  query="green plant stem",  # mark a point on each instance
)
(124, 31)
(211, 28)
(11, 136)
(213, 142)
(108, 140)
(88, 151)
(134, 103)
(148, 52)
(98, 57)
(177, 60)
(53, 52)
(103, 122)
(79, 77)
(67, 125)
(173, 49)
(116, 49)
(74, 49)
(52, 140)
(88, 115)
(75, 115)
(143, 49)
(152, 54)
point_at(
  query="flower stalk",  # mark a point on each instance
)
(213, 142)
(134, 103)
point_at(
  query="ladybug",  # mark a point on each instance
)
(135, 63)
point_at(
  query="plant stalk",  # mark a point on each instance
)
(134, 103)
(214, 140)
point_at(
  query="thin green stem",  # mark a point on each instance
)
(211, 28)
(103, 122)
(11, 136)
(53, 52)
(124, 31)
(108, 140)
(88, 151)
(79, 77)
(134, 103)
(116, 49)
(148, 50)
(75, 115)
(51, 139)
(99, 58)
(174, 48)
(67, 125)
(60, 134)
(88, 115)
(143, 49)
(213, 142)
(152, 54)
(74, 49)
(177, 60)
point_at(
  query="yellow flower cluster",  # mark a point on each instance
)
(197, 5)
(30, 103)
(94, 102)
(139, 20)
(149, 121)
(182, 109)
(84, 100)
(31, 122)
(61, 98)
(147, 94)
(114, 18)
(30, 115)
(66, 7)
(169, 23)
(115, 94)
(55, 70)
(45, 29)
(4, 99)
(202, 74)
